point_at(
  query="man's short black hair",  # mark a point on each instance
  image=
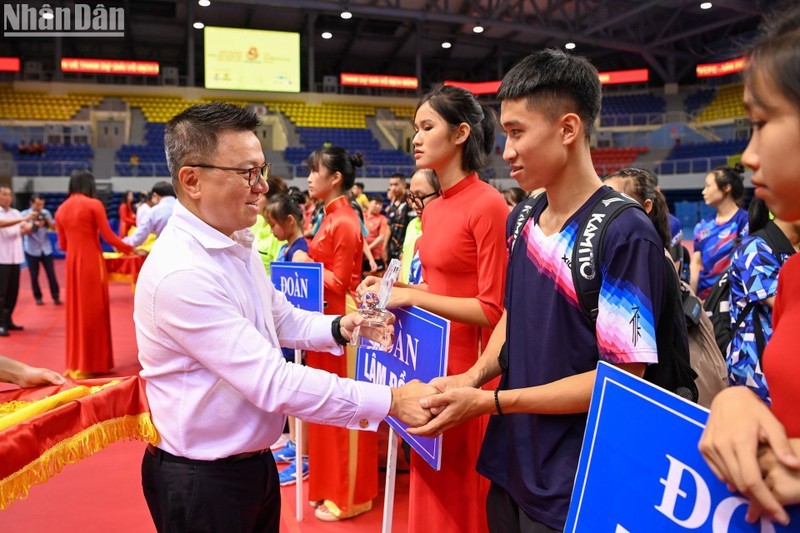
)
(191, 136)
(556, 83)
(163, 188)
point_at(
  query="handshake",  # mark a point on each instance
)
(432, 408)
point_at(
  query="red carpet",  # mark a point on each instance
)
(103, 493)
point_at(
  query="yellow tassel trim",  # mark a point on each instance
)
(71, 450)
(14, 405)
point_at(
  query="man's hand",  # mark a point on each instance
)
(738, 423)
(353, 320)
(446, 383)
(141, 252)
(406, 403)
(33, 377)
(454, 407)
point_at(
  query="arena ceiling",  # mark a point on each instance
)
(404, 37)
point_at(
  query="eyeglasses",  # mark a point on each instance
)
(253, 174)
(418, 201)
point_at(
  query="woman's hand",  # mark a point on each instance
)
(369, 284)
(738, 423)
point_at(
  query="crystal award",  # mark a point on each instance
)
(376, 329)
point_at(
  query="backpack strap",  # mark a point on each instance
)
(525, 214)
(586, 252)
(776, 240)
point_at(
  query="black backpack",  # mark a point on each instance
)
(673, 371)
(717, 305)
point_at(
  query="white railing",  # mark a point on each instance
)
(690, 166)
(633, 119)
(50, 168)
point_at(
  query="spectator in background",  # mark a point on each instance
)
(127, 214)
(513, 196)
(266, 243)
(716, 237)
(143, 207)
(12, 227)
(285, 218)
(424, 189)
(359, 196)
(80, 220)
(39, 249)
(680, 254)
(398, 214)
(377, 237)
(23, 148)
(310, 211)
(163, 198)
(23, 375)
(36, 148)
(753, 281)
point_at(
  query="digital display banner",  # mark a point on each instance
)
(252, 60)
(480, 87)
(9, 64)
(712, 70)
(109, 66)
(378, 80)
(614, 77)
(606, 78)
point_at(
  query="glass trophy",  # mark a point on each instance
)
(376, 330)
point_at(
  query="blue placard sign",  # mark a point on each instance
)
(301, 283)
(640, 469)
(419, 352)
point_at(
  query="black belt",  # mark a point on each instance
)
(166, 456)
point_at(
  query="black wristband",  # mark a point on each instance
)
(336, 331)
(497, 402)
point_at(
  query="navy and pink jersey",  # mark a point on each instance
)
(535, 457)
(716, 243)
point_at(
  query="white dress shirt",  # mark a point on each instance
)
(11, 252)
(155, 222)
(142, 213)
(209, 325)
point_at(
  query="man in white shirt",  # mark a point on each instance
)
(12, 227)
(209, 325)
(143, 207)
(163, 197)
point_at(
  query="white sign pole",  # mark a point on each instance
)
(298, 432)
(391, 474)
